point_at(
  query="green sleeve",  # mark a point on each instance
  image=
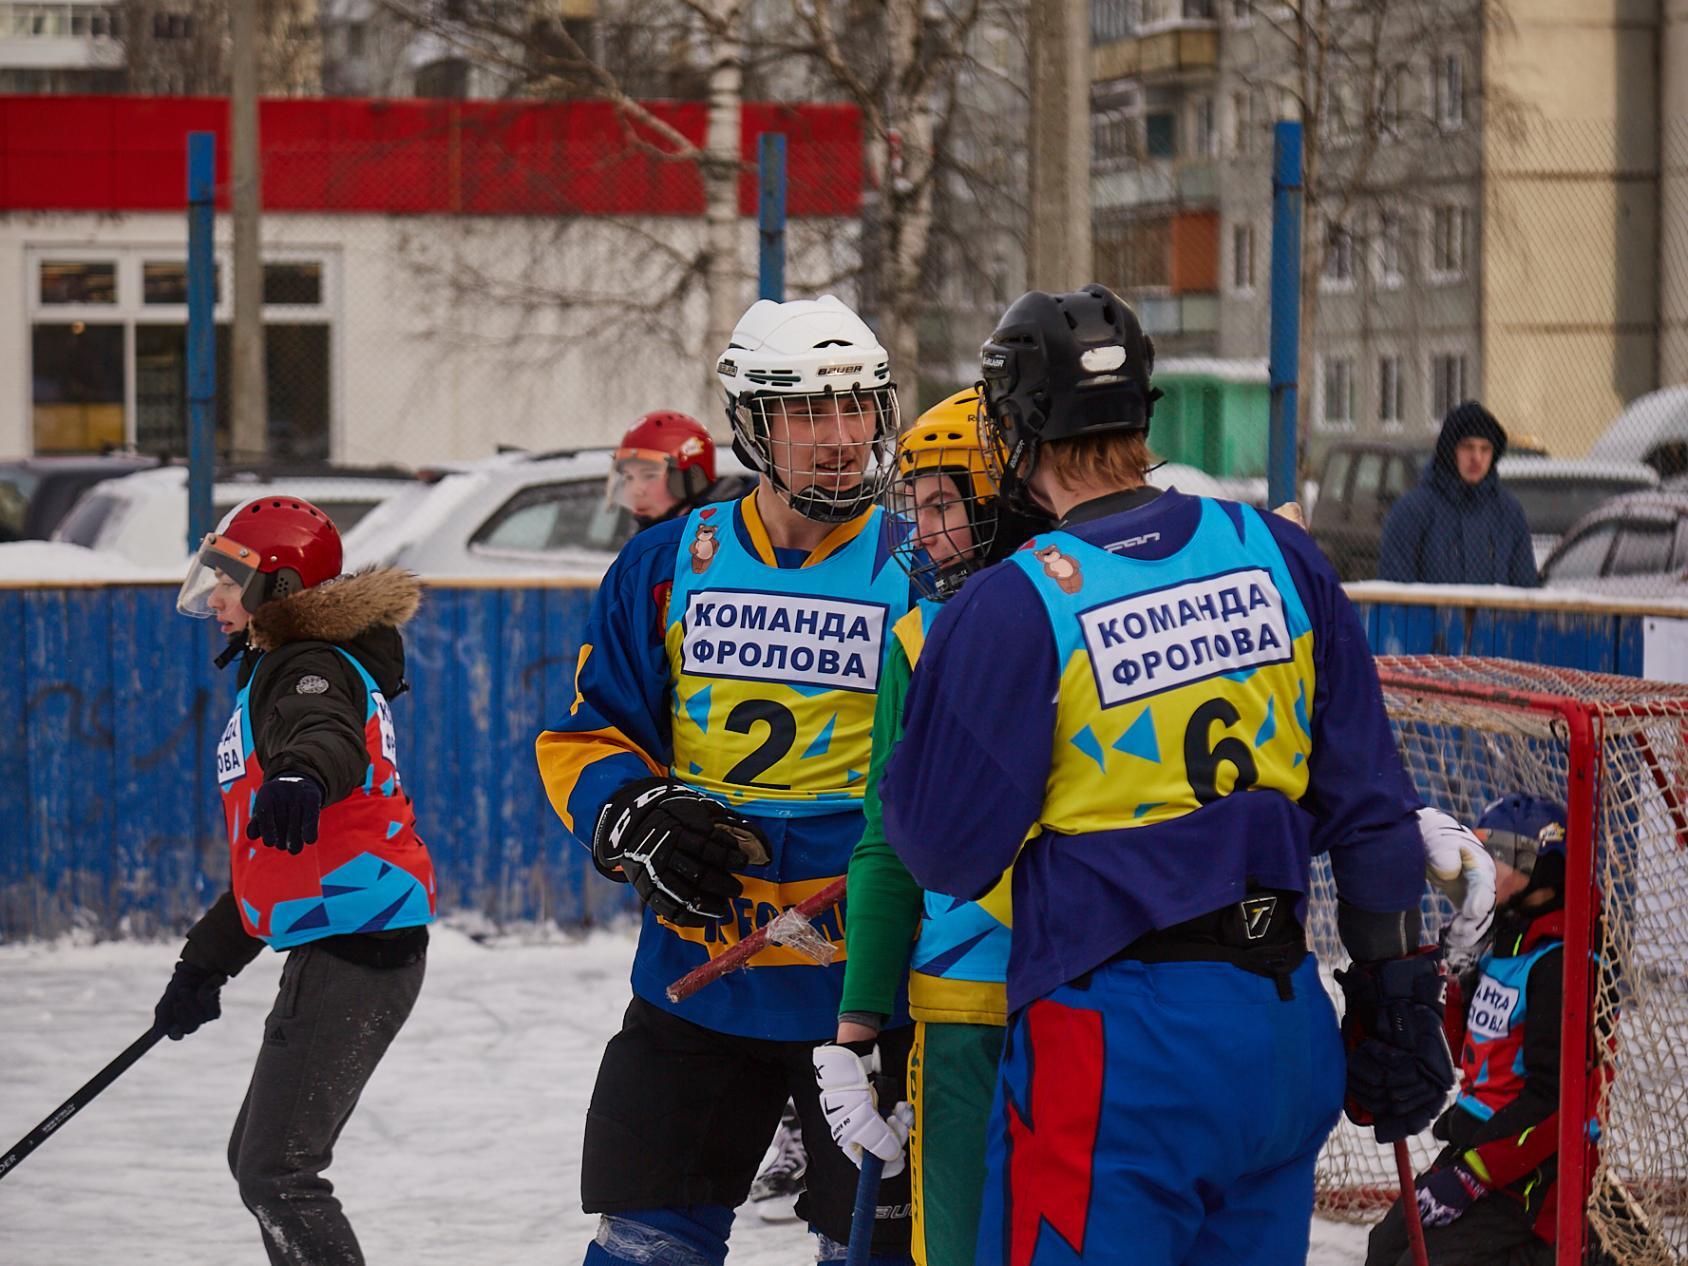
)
(883, 910)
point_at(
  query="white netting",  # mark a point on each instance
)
(1471, 730)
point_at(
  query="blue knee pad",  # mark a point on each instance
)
(695, 1235)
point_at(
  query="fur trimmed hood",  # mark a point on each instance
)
(338, 610)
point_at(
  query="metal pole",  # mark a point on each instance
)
(1058, 255)
(770, 172)
(1283, 455)
(202, 331)
(250, 432)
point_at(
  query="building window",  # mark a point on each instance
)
(1449, 384)
(355, 39)
(1390, 393)
(446, 78)
(1339, 258)
(1203, 135)
(1113, 139)
(1242, 123)
(293, 283)
(1242, 12)
(1389, 250)
(1337, 381)
(1450, 231)
(1242, 258)
(1389, 105)
(76, 371)
(1160, 134)
(1450, 91)
(167, 282)
(1111, 20)
(78, 281)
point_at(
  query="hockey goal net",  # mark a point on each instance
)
(1614, 750)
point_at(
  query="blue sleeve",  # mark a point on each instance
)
(1521, 564)
(617, 731)
(1362, 802)
(966, 782)
(1402, 541)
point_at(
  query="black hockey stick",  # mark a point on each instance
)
(81, 1099)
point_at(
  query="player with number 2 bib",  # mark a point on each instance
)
(715, 759)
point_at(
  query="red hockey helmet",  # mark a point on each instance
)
(271, 547)
(667, 446)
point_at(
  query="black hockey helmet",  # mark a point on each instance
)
(1059, 366)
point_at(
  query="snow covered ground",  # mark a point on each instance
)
(464, 1152)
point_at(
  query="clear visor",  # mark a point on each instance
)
(211, 570)
(638, 482)
(828, 450)
(1512, 849)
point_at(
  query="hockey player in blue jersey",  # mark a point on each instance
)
(715, 757)
(1157, 713)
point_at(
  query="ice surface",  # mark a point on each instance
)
(464, 1152)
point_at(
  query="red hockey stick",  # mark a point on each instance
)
(1409, 1204)
(753, 944)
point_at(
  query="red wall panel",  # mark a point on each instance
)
(413, 157)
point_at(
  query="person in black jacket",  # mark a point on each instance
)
(1459, 526)
(325, 860)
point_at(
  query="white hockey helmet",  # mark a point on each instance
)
(787, 364)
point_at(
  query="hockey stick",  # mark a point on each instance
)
(753, 944)
(81, 1099)
(1409, 1204)
(866, 1211)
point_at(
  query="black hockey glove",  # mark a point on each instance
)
(1399, 1068)
(286, 811)
(190, 1000)
(678, 848)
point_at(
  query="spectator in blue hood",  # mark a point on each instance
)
(1459, 526)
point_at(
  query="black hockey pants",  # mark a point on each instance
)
(332, 1022)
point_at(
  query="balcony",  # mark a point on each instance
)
(1184, 182)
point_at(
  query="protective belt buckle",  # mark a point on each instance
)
(1257, 915)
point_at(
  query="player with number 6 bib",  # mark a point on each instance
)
(715, 759)
(1157, 713)
(325, 862)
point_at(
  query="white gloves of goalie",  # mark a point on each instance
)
(852, 1108)
(1461, 867)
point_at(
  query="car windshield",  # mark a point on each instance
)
(17, 486)
(1551, 506)
(83, 525)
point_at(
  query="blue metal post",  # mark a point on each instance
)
(770, 168)
(1282, 448)
(202, 332)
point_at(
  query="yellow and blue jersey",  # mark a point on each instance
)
(1144, 713)
(958, 964)
(748, 674)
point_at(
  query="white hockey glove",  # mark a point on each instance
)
(1461, 867)
(852, 1108)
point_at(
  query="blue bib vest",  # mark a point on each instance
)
(1492, 1061)
(368, 871)
(1182, 679)
(774, 672)
(958, 965)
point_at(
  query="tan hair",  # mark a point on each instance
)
(1120, 458)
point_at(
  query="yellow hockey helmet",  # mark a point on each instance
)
(946, 524)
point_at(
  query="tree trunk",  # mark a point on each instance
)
(724, 268)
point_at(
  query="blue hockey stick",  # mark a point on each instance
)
(867, 1210)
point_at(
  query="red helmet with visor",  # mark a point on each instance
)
(270, 548)
(666, 459)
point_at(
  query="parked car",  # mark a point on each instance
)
(37, 492)
(1555, 493)
(516, 514)
(1652, 428)
(1631, 546)
(1363, 479)
(144, 516)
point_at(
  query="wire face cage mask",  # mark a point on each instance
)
(830, 454)
(943, 506)
(218, 560)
